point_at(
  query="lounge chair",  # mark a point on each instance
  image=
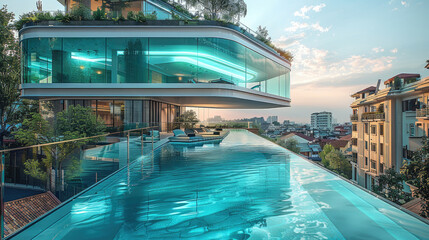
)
(148, 138)
(181, 136)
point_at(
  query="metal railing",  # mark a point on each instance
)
(424, 112)
(354, 117)
(371, 116)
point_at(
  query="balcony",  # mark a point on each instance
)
(422, 113)
(354, 117)
(373, 116)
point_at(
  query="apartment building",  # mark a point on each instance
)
(321, 121)
(385, 124)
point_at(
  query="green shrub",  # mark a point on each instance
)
(80, 12)
(99, 14)
(151, 16)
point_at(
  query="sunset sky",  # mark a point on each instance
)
(339, 46)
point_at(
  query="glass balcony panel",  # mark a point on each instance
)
(127, 60)
(84, 60)
(221, 61)
(255, 70)
(173, 60)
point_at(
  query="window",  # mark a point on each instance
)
(354, 127)
(373, 147)
(410, 105)
(366, 161)
(366, 144)
(381, 167)
(412, 130)
(366, 127)
(354, 141)
(374, 130)
(373, 164)
(381, 149)
(381, 129)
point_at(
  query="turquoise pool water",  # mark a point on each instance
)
(242, 188)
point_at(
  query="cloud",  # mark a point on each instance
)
(378, 50)
(290, 41)
(404, 3)
(305, 26)
(312, 65)
(395, 50)
(304, 10)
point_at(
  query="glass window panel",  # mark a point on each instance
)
(118, 113)
(39, 53)
(173, 60)
(105, 111)
(221, 61)
(84, 60)
(287, 84)
(255, 70)
(160, 13)
(127, 60)
(273, 77)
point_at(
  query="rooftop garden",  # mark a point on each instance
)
(225, 12)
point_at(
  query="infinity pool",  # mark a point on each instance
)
(242, 188)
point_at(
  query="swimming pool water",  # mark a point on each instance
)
(242, 188)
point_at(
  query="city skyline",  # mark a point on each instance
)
(378, 46)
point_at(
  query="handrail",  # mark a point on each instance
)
(74, 140)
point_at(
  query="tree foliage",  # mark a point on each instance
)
(187, 119)
(326, 150)
(417, 173)
(263, 36)
(334, 160)
(73, 123)
(226, 10)
(389, 186)
(290, 144)
(12, 110)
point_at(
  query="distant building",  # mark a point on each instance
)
(272, 119)
(388, 126)
(321, 121)
(307, 145)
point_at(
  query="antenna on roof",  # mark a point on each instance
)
(378, 86)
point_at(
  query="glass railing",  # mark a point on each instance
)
(66, 168)
(62, 170)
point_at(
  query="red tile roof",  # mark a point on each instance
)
(402, 75)
(20, 212)
(414, 205)
(347, 137)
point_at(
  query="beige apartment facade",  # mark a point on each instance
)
(387, 127)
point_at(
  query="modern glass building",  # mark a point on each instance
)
(130, 72)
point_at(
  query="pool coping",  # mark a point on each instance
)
(14, 234)
(424, 220)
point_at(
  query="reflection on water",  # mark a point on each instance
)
(235, 189)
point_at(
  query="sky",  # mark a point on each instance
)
(340, 47)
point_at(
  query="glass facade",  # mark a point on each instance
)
(151, 60)
(126, 114)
